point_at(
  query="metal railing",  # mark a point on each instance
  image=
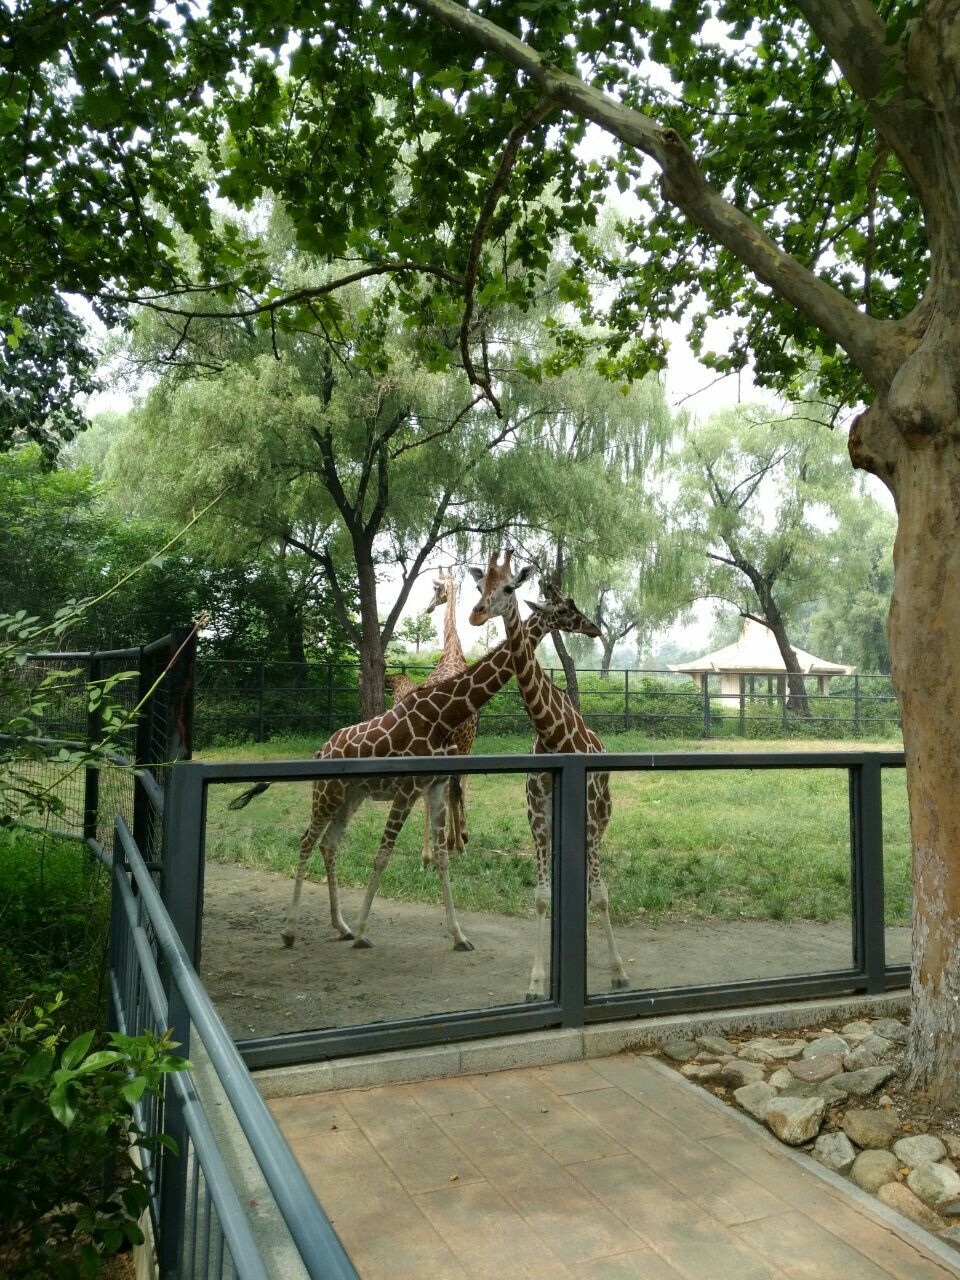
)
(569, 1003)
(203, 1227)
(260, 699)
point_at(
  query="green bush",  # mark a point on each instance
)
(71, 1190)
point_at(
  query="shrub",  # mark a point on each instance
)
(71, 1191)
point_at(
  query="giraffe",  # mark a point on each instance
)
(560, 729)
(420, 725)
(451, 663)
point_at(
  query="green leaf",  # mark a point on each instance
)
(76, 1049)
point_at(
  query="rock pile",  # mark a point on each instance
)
(820, 1089)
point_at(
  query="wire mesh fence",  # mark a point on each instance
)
(254, 701)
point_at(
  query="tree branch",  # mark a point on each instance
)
(875, 347)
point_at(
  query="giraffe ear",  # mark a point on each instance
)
(538, 606)
(526, 573)
(476, 574)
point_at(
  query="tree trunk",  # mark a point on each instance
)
(569, 669)
(373, 667)
(798, 702)
(608, 647)
(923, 629)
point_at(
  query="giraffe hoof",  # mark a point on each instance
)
(620, 984)
(363, 943)
(533, 997)
(464, 946)
(288, 939)
(345, 937)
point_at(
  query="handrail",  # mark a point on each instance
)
(317, 1242)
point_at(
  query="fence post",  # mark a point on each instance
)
(329, 697)
(857, 711)
(91, 774)
(706, 705)
(261, 736)
(141, 802)
(866, 852)
(743, 706)
(569, 906)
(626, 699)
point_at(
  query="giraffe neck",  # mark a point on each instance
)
(454, 700)
(452, 649)
(558, 724)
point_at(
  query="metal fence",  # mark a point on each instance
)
(568, 1005)
(253, 701)
(200, 1216)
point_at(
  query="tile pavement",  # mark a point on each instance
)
(609, 1169)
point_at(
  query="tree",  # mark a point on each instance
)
(798, 173)
(847, 621)
(417, 630)
(758, 496)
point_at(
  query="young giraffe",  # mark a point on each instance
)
(451, 663)
(560, 729)
(421, 725)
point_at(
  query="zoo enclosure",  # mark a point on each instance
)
(569, 1004)
(255, 700)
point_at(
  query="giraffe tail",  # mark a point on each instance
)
(244, 798)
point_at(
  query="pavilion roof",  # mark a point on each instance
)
(756, 653)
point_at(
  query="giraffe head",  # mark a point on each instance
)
(400, 685)
(443, 587)
(498, 584)
(561, 614)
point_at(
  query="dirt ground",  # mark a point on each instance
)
(261, 987)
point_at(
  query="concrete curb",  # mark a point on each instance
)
(539, 1048)
(944, 1252)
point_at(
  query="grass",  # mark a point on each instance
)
(54, 913)
(765, 844)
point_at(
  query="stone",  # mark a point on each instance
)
(835, 1150)
(858, 1058)
(680, 1050)
(752, 1054)
(795, 1120)
(701, 1071)
(737, 1072)
(901, 1198)
(866, 1081)
(922, 1149)
(830, 1090)
(935, 1184)
(952, 1234)
(781, 1078)
(884, 1100)
(755, 1098)
(952, 1142)
(873, 1168)
(857, 1032)
(879, 1046)
(716, 1044)
(779, 1050)
(816, 1069)
(872, 1129)
(890, 1029)
(827, 1044)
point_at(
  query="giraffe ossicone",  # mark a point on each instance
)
(560, 729)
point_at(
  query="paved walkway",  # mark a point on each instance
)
(611, 1169)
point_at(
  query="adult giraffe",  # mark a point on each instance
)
(450, 663)
(421, 725)
(560, 729)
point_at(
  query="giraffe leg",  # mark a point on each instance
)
(327, 802)
(403, 802)
(539, 815)
(436, 799)
(426, 854)
(457, 809)
(598, 815)
(329, 847)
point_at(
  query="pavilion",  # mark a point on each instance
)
(756, 654)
